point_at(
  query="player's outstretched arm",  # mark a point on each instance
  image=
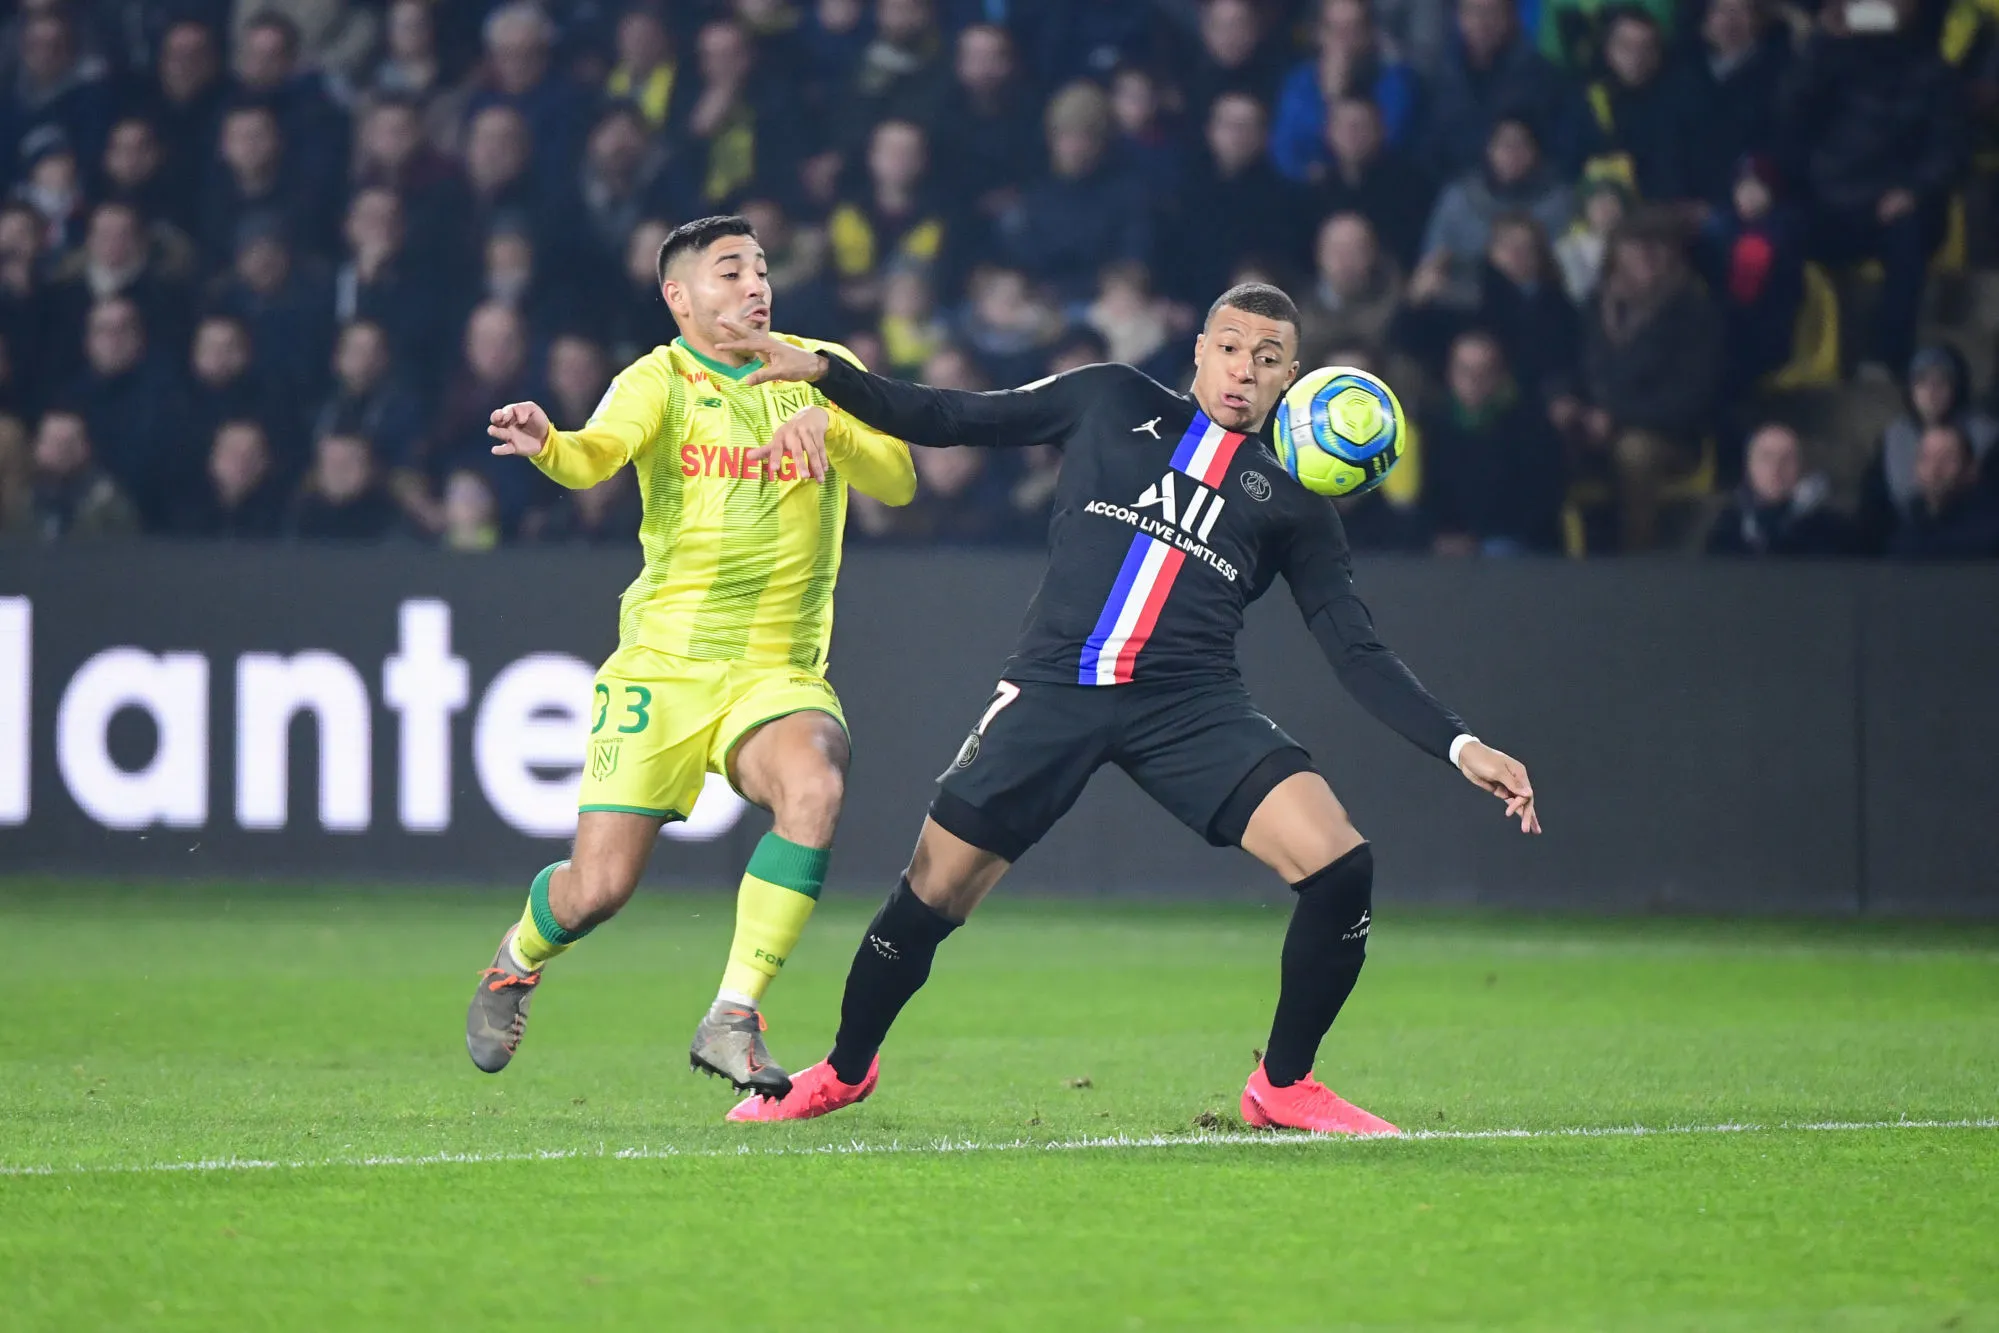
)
(627, 418)
(1041, 413)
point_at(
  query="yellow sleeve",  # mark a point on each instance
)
(623, 426)
(872, 463)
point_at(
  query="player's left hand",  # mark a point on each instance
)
(801, 439)
(781, 360)
(1505, 777)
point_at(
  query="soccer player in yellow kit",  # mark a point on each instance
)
(722, 639)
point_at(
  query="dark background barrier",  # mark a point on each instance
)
(1702, 736)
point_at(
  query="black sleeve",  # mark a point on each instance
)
(1320, 573)
(1044, 412)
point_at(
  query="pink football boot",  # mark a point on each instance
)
(814, 1092)
(1306, 1104)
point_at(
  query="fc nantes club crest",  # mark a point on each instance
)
(603, 759)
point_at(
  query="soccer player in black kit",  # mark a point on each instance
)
(1171, 516)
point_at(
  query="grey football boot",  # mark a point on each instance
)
(730, 1042)
(499, 1012)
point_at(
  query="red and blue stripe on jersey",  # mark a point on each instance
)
(1145, 580)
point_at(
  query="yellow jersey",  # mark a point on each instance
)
(737, 567)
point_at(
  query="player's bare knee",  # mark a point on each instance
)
(808, 803)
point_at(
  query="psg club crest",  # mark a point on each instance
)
(1256, 486)
(967, 752)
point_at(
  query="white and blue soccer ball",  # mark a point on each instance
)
(1339, 430)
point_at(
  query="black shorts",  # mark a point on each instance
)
(1203, 751)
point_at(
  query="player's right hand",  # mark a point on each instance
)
(1504, 776)
(520, 428)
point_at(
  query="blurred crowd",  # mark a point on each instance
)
(265, 266)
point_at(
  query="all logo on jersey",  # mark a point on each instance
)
(1199, 512)
(1256, 486)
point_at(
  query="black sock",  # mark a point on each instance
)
(1323, 951)
(891, 965)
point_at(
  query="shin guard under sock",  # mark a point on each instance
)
(1323, 952)
(891, 965)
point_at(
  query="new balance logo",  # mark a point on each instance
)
(1197, 515)
(1149, 427)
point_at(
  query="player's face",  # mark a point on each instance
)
(728, 280)
(1242, 365)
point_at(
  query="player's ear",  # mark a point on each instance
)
(1292, 378)
(1200, 346)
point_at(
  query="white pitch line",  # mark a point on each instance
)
(1205, 1139)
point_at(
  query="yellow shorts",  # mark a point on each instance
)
(659, 724)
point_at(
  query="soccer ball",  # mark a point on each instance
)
(1339, 430)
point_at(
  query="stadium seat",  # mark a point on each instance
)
(1692, 487)
(1814, 359)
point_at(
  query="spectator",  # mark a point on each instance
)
(254, 181)
(393, 154)
(1513, 180)
(517, 75)
(17, 481)
(1148, 147)
(1937, 393)
(833, 35)
(288, 310)
(1754, 263)
(225, 385)
(911, 331)
(57, 87)
(135, 175)
(471, 516)
(1580, 250)
(606, 514)
(798, 270)
(1645, 108)
(495, 371)
(117, 258)
(368, 401)
(895, 221)
(1878, 137)
(1006, 329)
(241, 495)
(127, 401)
(409, 69)
(1133, 325)
(25, 314)
(1088, 39)
(1388, 189)
(1574, 34)
(501, 191)
(1084, 214)
(185, 103)
(1230, 56)
(961, 493)
(343, 498)
(1650, 367)
(315, 131)
(72, 497)
(53, 188)
(1235, 206)
(1779, 509)
(902, 72)
(1952, 517)
(335, 38)
(1355, 295)
(740, 135)
(1522, 301)
(1492, 71)
(380, 282)
(645, 73)
(513, 278)
(988, 146)
(1350, 65)
(614, 191)
(1737, 82)
(577, 378)
(1493, 479)
(636, 319)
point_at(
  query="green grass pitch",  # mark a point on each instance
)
(243, 1109)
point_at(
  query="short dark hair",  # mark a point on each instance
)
(696, 236)
(1256, 298)
(280, 23)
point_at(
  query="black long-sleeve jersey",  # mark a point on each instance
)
(1165, 527)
